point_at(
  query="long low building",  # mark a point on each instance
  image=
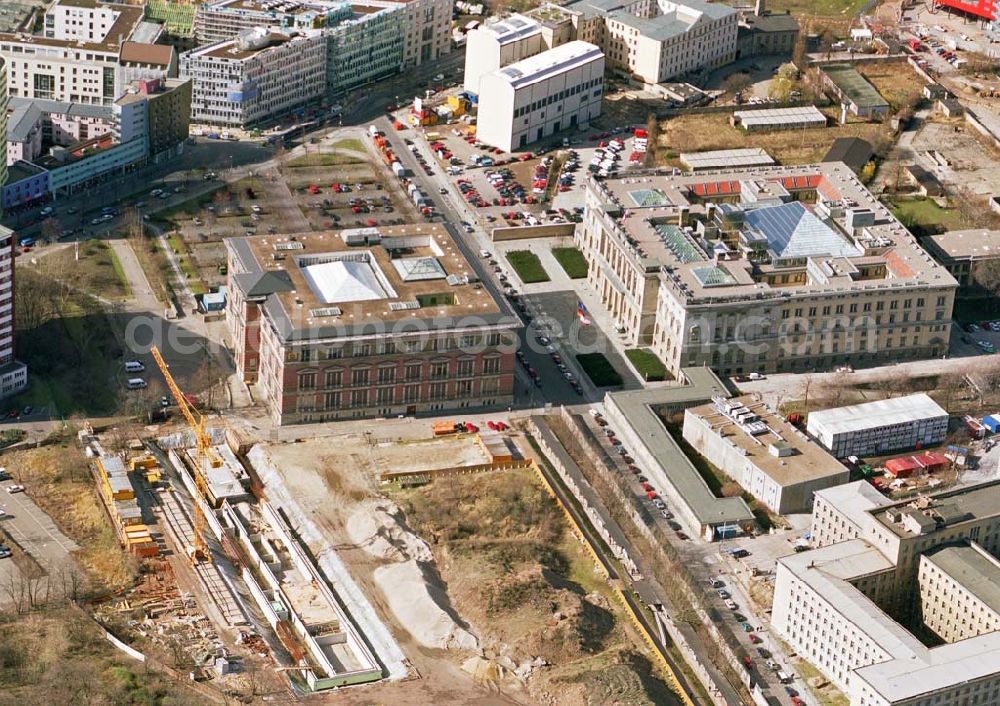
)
(366, 323)
(725, 159)
(780, 119)
(635, 416)
(880, 427)
(767, 456)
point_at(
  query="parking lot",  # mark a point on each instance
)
(524, 188)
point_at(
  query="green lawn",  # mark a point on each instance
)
(187, 266)
(350, 143)
(650, 367)
(322, 159)
(572, 260)
(925, 217)
(528, 266)
(818, 8)
(599, 369)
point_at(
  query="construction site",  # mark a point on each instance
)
(223, 576)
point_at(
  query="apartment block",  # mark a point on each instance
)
(369, 47)
(13, 373)
(257, 75)
(878, 427)
(854, 608)
(366, 322)
(541, 95)
(772, 268)
(87, 51)
(490, 47)
(158, 111)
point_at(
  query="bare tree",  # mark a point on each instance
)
(737, 82)
(51, 229)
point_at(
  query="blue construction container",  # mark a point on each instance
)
(992, 422)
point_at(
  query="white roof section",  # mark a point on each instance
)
(413, 269)
(776, 117)
(870, 415)
(913, 668)
(854, 500)
(553, 62)
(344, 281)
(715, 159)
(512, 29)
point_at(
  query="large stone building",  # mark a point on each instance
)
(87, 52)
(366, 322)
(884, 572)
(778, 269)
(157, 110)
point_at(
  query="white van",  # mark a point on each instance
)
(134, 366)
(136, 383)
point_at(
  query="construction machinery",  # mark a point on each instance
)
(205, 458)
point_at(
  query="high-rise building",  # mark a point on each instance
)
(13, 374)
(157, 110)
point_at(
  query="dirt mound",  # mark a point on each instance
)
(378, 527)
(410, 583)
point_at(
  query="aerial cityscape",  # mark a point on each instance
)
(565, 353)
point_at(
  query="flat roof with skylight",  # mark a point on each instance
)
(762, 232)
(358, 277)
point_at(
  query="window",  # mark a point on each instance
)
(334, 378)
(438, 390)
(331, 400)
(439, 370)
(307, 381)
(359, 398)
(413, 371)
(463, 388)
(306, 355)
(411, 393)
(491, 366)
(386, 376)
(465, 368)
(384, 395)
(359, 377)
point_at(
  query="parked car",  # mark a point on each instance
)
(15, 488)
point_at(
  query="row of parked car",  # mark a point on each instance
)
(641, 479)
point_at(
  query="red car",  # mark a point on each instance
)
(502, 426)
(471, 428)
(754, 638)
(491, 425)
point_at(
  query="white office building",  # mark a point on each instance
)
(530, 99)
(656, 41)
(258, 75)
(493, 46)
(879, 427)
(88, 51)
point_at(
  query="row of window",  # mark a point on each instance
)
(561, 95)
(411, 394)
(365, 350)
(412, 372)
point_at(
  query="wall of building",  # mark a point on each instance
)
(880, 439)
(512, 117)
(948, 608)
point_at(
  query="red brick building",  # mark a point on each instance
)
(366, 322)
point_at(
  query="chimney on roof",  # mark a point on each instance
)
(759, 9)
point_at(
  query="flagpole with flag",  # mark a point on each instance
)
(582, 313)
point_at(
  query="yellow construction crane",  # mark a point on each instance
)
(205, 457)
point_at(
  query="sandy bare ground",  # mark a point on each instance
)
(331, 478)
